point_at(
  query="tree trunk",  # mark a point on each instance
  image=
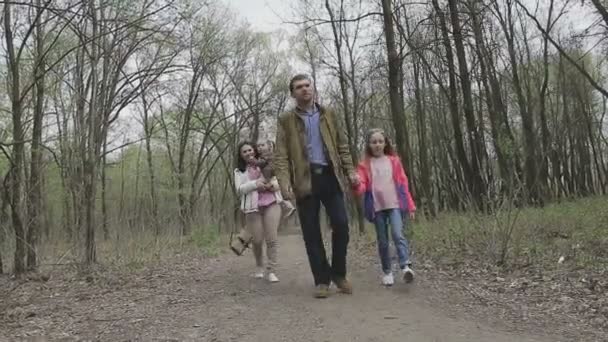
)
(453, 103)
(255, 132)
(36, 172)
(4, 216)
(148, 131)
(397, 110)
(104, 202)
(90, 174)
(184, 214)
(567, 142)
(136, 218)
(408, 161)
(18, 155)
(89, 150)
(425, 168)
(478, 188)
(350, 124)
(546, 135)
(1, 243)
(529, 136)
(494, 101)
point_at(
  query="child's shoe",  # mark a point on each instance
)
(272, 278)
(408, 274)
(388, 279)
(259, 273)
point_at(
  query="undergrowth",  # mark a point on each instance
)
(573, 234)
(130, 249)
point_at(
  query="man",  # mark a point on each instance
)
(312, 163)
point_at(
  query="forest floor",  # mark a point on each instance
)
(187, 298)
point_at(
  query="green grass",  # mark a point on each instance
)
(576, 230)
(206, 239)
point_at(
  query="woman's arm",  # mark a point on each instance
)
(243, 188)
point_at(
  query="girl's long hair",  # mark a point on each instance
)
(388, 146)
(241, 163)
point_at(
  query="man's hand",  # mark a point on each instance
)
(412, 215)
(354, 179)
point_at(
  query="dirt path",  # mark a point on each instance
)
(287, 312)
(218, 300)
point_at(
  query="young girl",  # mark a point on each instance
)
(386, 197)
(265, 149)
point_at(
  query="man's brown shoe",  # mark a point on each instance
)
(322, 291)
(344, 286)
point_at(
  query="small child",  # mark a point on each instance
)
(384, 186)
(265, 149)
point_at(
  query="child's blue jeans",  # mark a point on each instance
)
(392, 218)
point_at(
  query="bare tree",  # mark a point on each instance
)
(17, 157)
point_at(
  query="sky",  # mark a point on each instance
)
(263, 15)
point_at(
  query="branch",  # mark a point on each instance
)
(50, 150)
(601, 9)
(316, 21)
(589, 78)
(31, 28)
(128, 143)
(6, 154)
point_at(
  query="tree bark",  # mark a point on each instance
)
(546, 135)
(397, 110)
(453, 103)
(36, 172)
(18, 154)
(89, 143)
(148, 131)
(425, 168)
(104, 201)
(478, 188)
(348, 114)
(529, 137)
(493, 97)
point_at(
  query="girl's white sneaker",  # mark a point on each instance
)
(408, 274)
(273, 278)
(388, 279)
(259, 273)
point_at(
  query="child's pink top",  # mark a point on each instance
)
(383, 186)
(265, 197)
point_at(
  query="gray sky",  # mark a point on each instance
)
(262, 14)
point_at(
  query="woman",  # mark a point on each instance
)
(260, 203)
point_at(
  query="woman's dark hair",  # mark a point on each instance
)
(388, 147)
(241, 163)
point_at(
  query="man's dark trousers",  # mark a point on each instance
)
(325, 190)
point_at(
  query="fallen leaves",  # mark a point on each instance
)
(560, 296)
